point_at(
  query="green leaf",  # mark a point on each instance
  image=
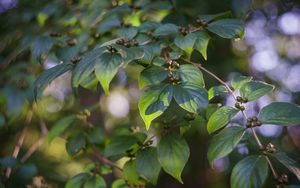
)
(48, 76)
(133, 53)
(211, 108)
(227, 28)
(173, 153)
(147, 164)
(216, 91)
(251, 172)
(201, 43)
(154, 101)
(106, 68)
(128, 33)
(238, 81)
(253, 90)
(119, 145)
(166, 30)
(190, 74)
(223, 143)
(220, 118)
(192, 98)
(75, 144)
(186, 43)
(151, 76)
(280, 113)
(289, 163)
(60, 126)
(96, 136)
(77, 181)
(212, 17)
(161, 5)
(150, 52)
(130, 172)
(85, 67)
(119, 183)
(95, 182)
(41, 45)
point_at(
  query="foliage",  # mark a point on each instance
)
(93, 49)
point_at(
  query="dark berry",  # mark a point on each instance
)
(239, 99)
(55, 34)
(75, 59)
(237, 105)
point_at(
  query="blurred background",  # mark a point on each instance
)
(270, 51)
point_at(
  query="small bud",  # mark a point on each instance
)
(109, 48)
(71, 41)
(237, 105)
(242, 108)
(284, 178)
(259, 123)
(75, 59)
(245, 100)
(248, 124)
(271, 148)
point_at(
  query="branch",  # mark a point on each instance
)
(20, 141)
(261, 147)
(104, 160)
(36, 145)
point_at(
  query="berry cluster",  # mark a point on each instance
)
(201, 22)
(75, 59)
(239, 106)
(55, 34)
(283, 179)
(71, 41)
(175, 79)
(127, 43)
(253, 122)
(241, 99)
(271, 148)
(182, 30)
(111, 49)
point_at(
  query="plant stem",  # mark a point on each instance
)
(261, 147)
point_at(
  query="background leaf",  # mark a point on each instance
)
(253, 90)
(280, 113)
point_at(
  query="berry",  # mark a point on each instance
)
(242, 108)
(109, 48)
(237, 105)
(120, 41)
(259, 123)
(239, 99)
(75, 59)
(271, 148)
(248, 124)
(245, 100)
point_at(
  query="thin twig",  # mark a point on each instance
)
(20, 141)
(275, 175)
(104, 160)
(36, 145)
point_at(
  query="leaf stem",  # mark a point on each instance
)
(104, 160)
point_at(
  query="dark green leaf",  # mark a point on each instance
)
(201, 43)
(160, 5)
(238, 81)
(154, 101)
(289, 163)
(75, 144)
(119, 145)
(85, 67)
(133, 53)
(224, 142)
(190, 97)
(220, 118)
(128, 33)
(95, 182)
(41, 45)
(96, 136)
(147, 164)
(227, 28)
(190, 74)
(27, 171)
(151, 76)
(251, 172)
(77, 181)
(212, 17)
(166, 30)
(60, 126)
(253, 90)
(150, 51)
(48, 76)
(216, 91)
(106, 68)
(280, 113)
(130, 172)
(211, 108)
(173, 153)
(186, 43)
